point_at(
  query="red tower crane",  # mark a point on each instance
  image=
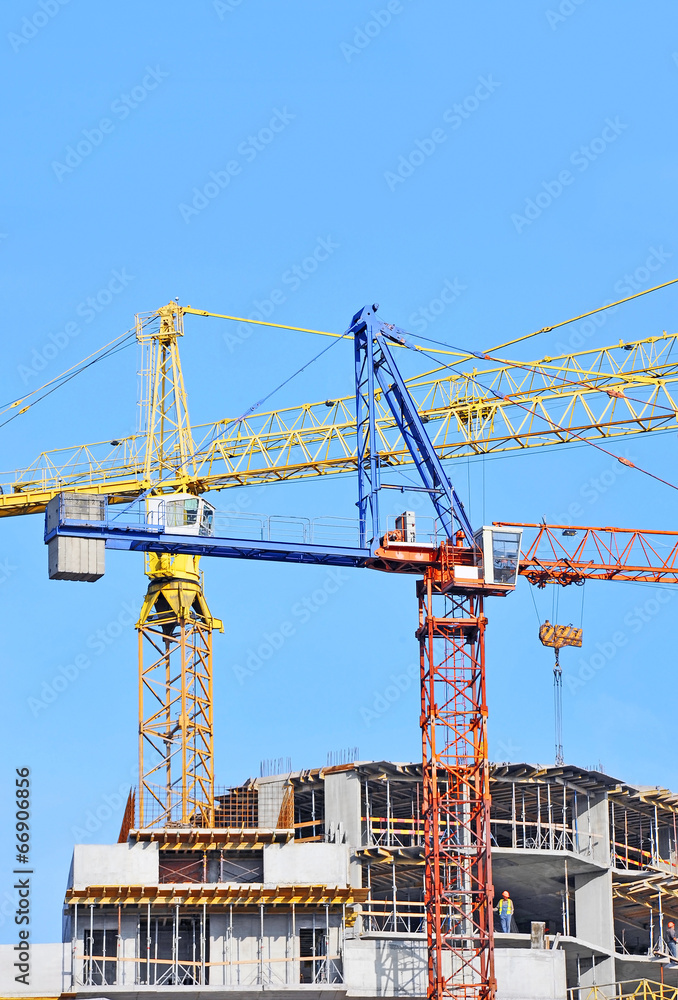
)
(454, 577)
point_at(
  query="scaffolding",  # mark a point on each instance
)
(199, 945)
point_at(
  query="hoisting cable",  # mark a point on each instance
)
(255, 406)
(227, 423)
(123, 340)
(592, 312)
(463, 356)
(557, 426)
(281, 326)
(65, 377)
(565, 382)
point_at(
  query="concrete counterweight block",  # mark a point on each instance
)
(76, 558)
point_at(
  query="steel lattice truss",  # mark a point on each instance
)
(607, 393)
(176, 777)
(456, 808)
(562, 554)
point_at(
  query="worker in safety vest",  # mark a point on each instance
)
(505, 909)
(671, 938)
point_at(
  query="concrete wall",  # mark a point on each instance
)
(342, 808)
(306, 864)
(385, 967)
(115, 864)
(270, 795)
(342, 816)
(530, 974)
(46, 976)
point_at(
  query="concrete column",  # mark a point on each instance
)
(595, 924)
(342, 816)
(593, 827)
(218, 924)
(593, 891)
(129, 923)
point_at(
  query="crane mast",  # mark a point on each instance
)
(173, 525)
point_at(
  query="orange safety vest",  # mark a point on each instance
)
(505, 907)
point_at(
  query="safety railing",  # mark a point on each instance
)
(533, 835)
(342, 531)
(636, 859)
(381, 916)
(635, 989)
(393, 832)
(100, 970)
(248, 525)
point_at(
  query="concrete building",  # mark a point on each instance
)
(312, 882)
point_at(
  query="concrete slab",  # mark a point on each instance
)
(306, 864)
(115, 864)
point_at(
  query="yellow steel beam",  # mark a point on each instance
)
(196, 894)
(608, 393)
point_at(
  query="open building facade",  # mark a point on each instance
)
(313, 881)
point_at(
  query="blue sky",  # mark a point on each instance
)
(204, 151)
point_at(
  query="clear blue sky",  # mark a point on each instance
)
(116, 117)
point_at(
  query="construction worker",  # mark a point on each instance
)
(671, 939)
(505, 909)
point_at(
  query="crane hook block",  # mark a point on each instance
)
(558, 636)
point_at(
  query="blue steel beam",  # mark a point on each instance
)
(374, 361)
(142, 538)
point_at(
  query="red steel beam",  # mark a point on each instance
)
(604, 553)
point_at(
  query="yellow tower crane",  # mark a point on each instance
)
(595, 395)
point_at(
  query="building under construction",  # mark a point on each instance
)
(314, 880)
(366, 879)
